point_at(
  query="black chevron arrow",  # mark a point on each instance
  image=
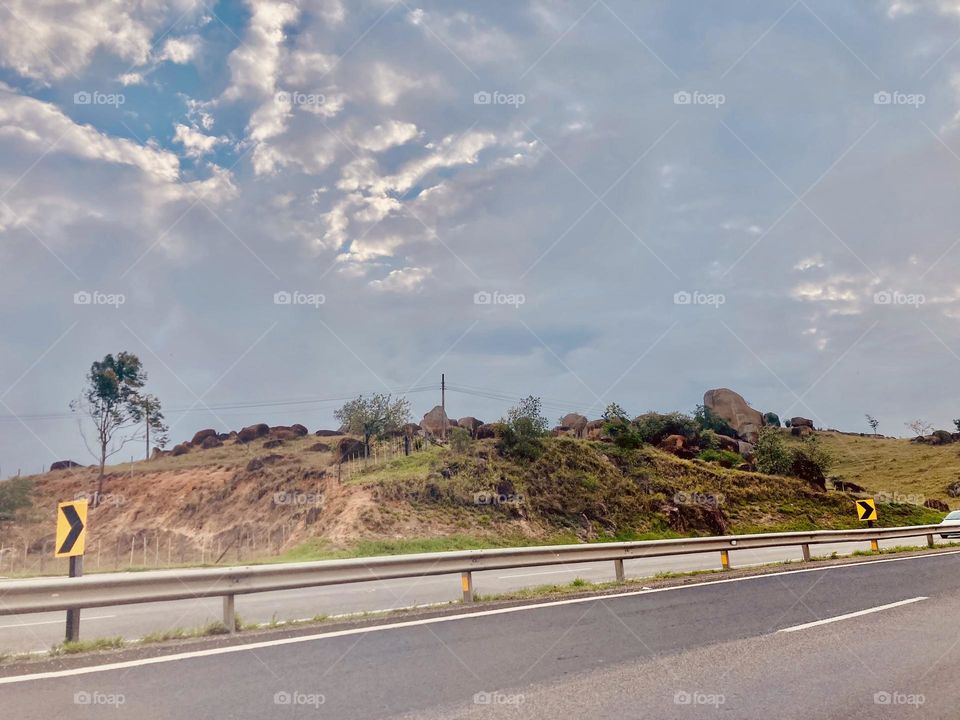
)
(76, 527)
(865, 508)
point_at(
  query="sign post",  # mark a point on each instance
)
(70, 543)
(867, 510)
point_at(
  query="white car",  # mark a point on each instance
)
(953, 519)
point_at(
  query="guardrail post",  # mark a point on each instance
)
(229, 614)
(725, 559)
(806, 552)
(618, 568)
(874, 545)
(466, 582)
(73, 614)
(930, 540)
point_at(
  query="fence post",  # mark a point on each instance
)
(229, 614)
(73, 614)
(466, 582)
(930, 540)
(806, 552)
(874, 545)
(618, 568)
(725, 559)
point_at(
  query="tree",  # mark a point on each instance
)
(619, 428)
(521, 433)
(956, 424)
(919, 427)
(772, 455)
(872, 422)
(14, 494)
(615, 413)
(148, 412)
(373, 417)
(112, 401)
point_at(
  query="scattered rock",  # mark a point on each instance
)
(771, 419)
(299, 430)
(801, 422)
(223, 437)
(252, 432)
(452, 423)
(847, 486)
(593, 430)
(63, 465)
(745, 448)
(945, 437)
(800, 431)
(677, 445)
(487, 430)
(953, 489)
(935, 504)
(327, 433)
(734, 410)
(349, 448)
(435, 422)
(181, 449)
(411, 430)
(258, 463)
(202, 435)
(210, 442)
(728, 443)
(319, 447)
(577, 423)
(273, 443)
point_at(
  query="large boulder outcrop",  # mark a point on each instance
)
(411, 430)
(63, 465)
(470, 424)
(252, 432)
(202, 435)
(210, 442)
(435, 422)
(593, 430)
(801, 422)
(575, 422)
(734, 410)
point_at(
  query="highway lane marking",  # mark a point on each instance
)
(426, 621)
(847, 616)
(53, 622)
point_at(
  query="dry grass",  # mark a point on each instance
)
(912, 471)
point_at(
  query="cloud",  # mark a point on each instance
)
(180, 50)
(405, 280)
(49, 41)
(194, 142)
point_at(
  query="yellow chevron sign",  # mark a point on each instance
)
(866, 509)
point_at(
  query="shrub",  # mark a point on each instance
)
(724, 458)
(520, 435)
(460, 440)
(709, 440)
(771, 453)
(14, 494)
(653, 427)
(813, 454)
(616, 425)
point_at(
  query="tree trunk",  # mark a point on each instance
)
(103, 462)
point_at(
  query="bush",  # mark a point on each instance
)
(653, 427)
(771, 453)
(724, 458)
(520, 435)
(616, 425)
(14, 494)
(706, 420)
(709, 440)
(812, 454)
(460, 440)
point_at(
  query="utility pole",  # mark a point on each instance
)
(146, 403)
(443, 392)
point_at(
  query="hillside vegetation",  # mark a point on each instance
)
(247, 502)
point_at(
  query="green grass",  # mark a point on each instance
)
(214, 628)
(85, 646)
(408, 467)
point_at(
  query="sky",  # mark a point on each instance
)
(279, 205)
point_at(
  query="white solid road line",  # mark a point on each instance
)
(847, 616)
(427, 621)
(53, 622)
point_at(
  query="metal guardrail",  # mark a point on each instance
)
(52, 594)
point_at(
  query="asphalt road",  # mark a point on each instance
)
(736, 648)
(37, 632)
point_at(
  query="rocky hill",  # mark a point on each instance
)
(263, 493)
